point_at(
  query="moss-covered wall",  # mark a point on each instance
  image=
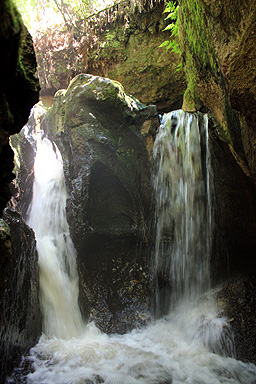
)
(218, 45)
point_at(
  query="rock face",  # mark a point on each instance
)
(20, 317)
(218, 48)
(131, 55)
(103, 135)
(233, 214)
(120, 43)
(19, 90)
(24, 146)
(237, 299)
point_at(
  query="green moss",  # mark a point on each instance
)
(14, 20)
(111, 45)
(8, 7)
(4, 230)
(189, 103)
(200, 56)
(26, 62)
(22, 69)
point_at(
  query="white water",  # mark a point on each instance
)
(57, 257)
(160, 353)
(184, 347)
(183, 219)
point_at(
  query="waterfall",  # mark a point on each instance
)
(57, 257)
(183, 218)
(183, 231)
(188, 346)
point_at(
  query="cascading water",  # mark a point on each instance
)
(175, 349)
(183, 230)
(57, 258)
(183, 218)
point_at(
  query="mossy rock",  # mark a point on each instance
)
(98, 89)
(102, 134)
(190, 103)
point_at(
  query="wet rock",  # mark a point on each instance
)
(102, 135)
(233, 211)
(19, 90)
(218, 51)
(237, 301)
(20, 316)
(19, 87)
(24, 147)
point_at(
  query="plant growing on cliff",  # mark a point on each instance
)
(173, 16)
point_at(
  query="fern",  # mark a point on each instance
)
(173, 27)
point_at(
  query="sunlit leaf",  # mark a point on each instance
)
(164, 44)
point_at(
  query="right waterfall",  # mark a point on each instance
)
(183, 210)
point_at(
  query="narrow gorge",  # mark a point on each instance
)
(127, 234)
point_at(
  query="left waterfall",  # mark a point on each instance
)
(57, 256)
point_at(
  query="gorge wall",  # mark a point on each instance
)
(19, 87)
(218, 50)
(19, 91)
(218, 53)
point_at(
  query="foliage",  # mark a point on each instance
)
(173, 15)
(112, 40)
(42, 14)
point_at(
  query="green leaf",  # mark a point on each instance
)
(179, 67)
(169, 27)
(164, 44)
(173, 27)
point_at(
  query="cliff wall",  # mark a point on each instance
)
(19, 91)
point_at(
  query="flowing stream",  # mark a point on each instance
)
(191, 344)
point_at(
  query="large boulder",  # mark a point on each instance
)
(105, 138)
